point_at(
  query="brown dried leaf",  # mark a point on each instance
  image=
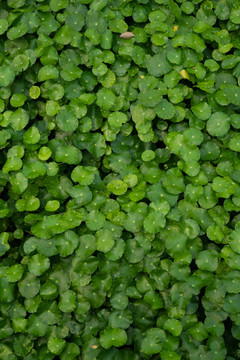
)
(127, 35)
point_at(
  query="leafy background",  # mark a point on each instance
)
(119, 180)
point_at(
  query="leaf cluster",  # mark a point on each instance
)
(119, 179)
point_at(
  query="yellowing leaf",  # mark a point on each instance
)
(184, 74)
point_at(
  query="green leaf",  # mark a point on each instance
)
(38, 264)
(150, 97)
(116, 119)
(36, 327)
(120, 319)
(173, 181)
(14, 273)
(105, 240)
(21, 61)
(117, 187)
(8, 290)
(195, 42)
(66, 243)
(84, 175)
(218, 124)
(224, 187)
(154, 222)
(32, 203)
(175, 242)
(48, 72)
(207, 260)
(154, 299)
(13, 163)
(22, 346)
(65, 153)
(161, 206)
(67, 302)
(174, 326)
(19, 183)
(113, 337)
(34, 92)
(198, 332)
(52, 107)
(95, 220)
(19, 119)
(119, 301)
(234, 143)
(19, 325)
(152, 343)
(235, 15)
(148, 155)
(118, 26)
(235, 241)
(81, 194)
(70, 72)
(4, 211)
(29, 286)
(66, 120)
(105, 99)
(31, 135)
(174, 56)
(34, 169)
(52, 205)
(3, 26)
(165, 110)
(194, 136)
(56, 345)
(202, 111)
(158, 65)
(175, 9)
(49, 290)
(18, 100)
(4, 246)
(231, 303)
(56, 5)
(71, 351)
(7, 75)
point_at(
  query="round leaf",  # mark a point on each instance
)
(34, 92)
(117, 187)
(66, 120)
(158, 65)
(14, 273)
(67, 302)
(174, 326)
(218, 124)
(38, 264)
(165, 110)
(207, 260)
(56, 345)
(7, 75)
(29, 286)
(113, 337)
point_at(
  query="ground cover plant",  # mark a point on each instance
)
(120, 179)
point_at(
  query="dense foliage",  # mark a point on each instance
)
(120, 179)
